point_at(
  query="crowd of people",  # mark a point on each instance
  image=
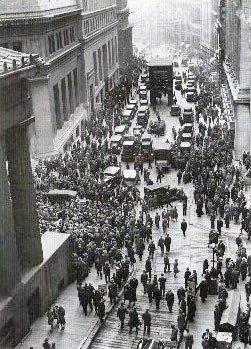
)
(107, 233)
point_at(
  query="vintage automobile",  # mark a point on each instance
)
(143, 116)
(142, 87)
(186, 137)
(133, 108)
(187, 118)
(162, 155)
(138, 131)
(142, 95)
(165, 194)
(185, 147)
(128, 151)
(230, 316)
(146, 147)
(178, 85)
(190, 97)
(155, 127)
(188, 110)
(112, 175)
(130, 177)
(57, 195)
(175, 110)
(187, 128)
(135, 103)
(120, 130)
(190, 84)
(126, 117)
(144, 78)
(144, 102)
(148, 343)
(116, 142)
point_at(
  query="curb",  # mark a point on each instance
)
(87, 342)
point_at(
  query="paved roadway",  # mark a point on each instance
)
(191, 251)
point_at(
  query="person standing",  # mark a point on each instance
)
(185, 205)
(147, 318)
(166, 263)
(167, 242)
(187, 276)
(174, 334)
(121, 313)
(162, 284)
(148, 267)
(175, 267)
(143, 280)
(101, 310)
(170, 300)
(188, 338)
(157, 296)
(134, 320)
(183, 227)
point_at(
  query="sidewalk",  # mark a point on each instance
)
(78, 326)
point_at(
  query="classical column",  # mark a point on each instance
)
(23, 197)
(242, 130)
(9, 263)
(45, 124)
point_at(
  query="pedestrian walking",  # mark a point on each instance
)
(170, 300)
(162, 284)
(143, 280)
(121, 313)
(175, 267)
(167, 242)
(134, 320)
(188, 339)
(166, 263)
(183, 227)
(174, 334)
(147, 318)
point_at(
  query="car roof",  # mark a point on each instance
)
(127, 112)
(115, 138)
(111, 170)
(130, 106)
(120, 128)
(128, 142)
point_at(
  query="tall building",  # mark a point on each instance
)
(31, 266)
(235, 47)
(125, 47)
(100, 48)
(209, 17)
(52, 30)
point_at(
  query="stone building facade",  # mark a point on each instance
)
(31, 267)
(125, 46)
(236, 46)
(53, 30)
(100, 49)
(78, 42)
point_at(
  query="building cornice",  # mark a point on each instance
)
(14, 21)
(89, 14)
(240, 94)
(99, 32)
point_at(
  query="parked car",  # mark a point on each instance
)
(116, 142)
(175, 110)
(127, 116)
(120, 130)
(190, 97)
(112, 175)
(128, 151)
(143, 115)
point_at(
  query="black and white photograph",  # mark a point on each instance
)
(125, 174)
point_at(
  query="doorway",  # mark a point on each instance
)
(33, 305)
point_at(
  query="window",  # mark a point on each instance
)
(116, 48)
(95, 68)
(69, 79)
(75, 77)
(51, 40)
(100, 64)
(64, 99)
(59, 40)
(109, 54)
(72, 34)
(113, 60)
(66, 37)
(57, 106)
(17, 46)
